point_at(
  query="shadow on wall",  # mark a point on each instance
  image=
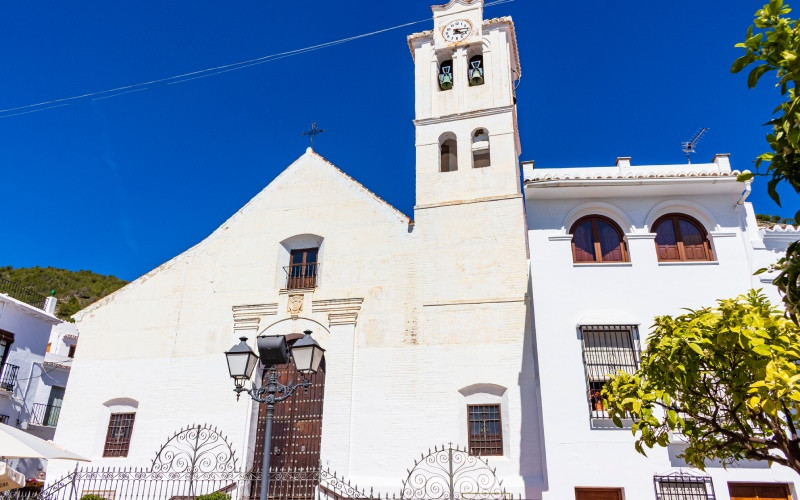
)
(675, 449)
(533, 462)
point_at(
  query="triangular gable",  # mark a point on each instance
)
(310, 157)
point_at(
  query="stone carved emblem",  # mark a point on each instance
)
(295, 304)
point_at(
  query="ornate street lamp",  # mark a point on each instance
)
(272, 350)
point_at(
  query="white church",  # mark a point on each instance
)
(477, 327)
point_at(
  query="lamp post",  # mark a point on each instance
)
(272, 350)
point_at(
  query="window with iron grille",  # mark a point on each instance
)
(485, 430)
(607, 349)
(684, 487)
(118, 438)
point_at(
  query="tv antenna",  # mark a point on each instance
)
(688, 146)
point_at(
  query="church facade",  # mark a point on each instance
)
(462, 326)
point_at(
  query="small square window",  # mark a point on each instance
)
(71, 353)
(118, 438)
(485, 430)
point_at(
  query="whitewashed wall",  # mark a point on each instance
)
(566, 295)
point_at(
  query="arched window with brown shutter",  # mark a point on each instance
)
(597, 239)
(681, 238)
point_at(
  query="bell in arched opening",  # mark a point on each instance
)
(446, 75)
(476, 70)
(481, 156)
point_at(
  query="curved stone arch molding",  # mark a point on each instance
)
(483, 388)
(296, 326)
(690, 208)
(609, 210)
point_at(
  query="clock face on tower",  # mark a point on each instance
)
(457, 30)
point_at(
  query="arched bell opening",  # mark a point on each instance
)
(448, 153)
(446, 74)
(475, 73)
(481, 155)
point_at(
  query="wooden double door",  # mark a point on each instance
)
(598, 494)
(296, 437)
(758, 491)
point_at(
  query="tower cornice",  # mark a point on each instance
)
(462, 116)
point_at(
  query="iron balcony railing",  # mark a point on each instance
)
(21, 293)
(46, 415)
(8, 378)
(3, 419)
(301, 275)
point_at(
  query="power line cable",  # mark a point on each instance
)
(202, 73)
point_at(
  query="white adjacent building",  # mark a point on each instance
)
(31, 386)
(611, 248)
(467, 325)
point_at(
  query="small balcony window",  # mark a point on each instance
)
(303, 269)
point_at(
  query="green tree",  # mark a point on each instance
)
(725, 377)
(217, 495)
(772, 46)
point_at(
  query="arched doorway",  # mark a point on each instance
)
(296, 435)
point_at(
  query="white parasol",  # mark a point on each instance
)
(16, 443)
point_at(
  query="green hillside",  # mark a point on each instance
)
(73, 289)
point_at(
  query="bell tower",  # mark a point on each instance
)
(469, 210)
(466, 125)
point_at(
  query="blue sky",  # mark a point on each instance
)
(123, 184)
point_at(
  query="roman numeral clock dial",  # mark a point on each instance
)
(456, 31)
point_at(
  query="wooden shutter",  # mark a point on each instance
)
(583, 242)
(756, 491)
(608, 238)
(667, 241)
(694, 241)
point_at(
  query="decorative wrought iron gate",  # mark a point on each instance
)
(452, 474)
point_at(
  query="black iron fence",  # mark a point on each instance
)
(198, 461)
(136, 484)
(21, 293)
(8, 377)
(47, 415)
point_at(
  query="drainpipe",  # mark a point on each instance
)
(745, 193)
